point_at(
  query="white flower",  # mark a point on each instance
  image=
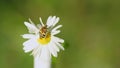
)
(42, 40)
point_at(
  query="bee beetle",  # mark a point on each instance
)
(43, 32)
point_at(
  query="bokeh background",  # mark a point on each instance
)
(91, 29)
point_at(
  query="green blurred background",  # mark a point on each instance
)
(91, 29)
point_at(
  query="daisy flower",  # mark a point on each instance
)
(42, 41)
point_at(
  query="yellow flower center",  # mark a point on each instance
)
(44, 40)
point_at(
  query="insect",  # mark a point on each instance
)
(44, 32)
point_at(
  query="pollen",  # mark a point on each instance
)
(44, 40)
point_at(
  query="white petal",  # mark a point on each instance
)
(53, 45)
(39, 26)
(28, 42)
(60, 46)
(52, 50)
(57, 27)
(29, 45)
(56, 21)
(49, 20)
(55, 32)
(45, 54)
(41, 21)
(31, 22)
(28, 36)
(58, 39)
(32, 28)
(56, 48)
(44, 60)
(37, 51)
(52, 21)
